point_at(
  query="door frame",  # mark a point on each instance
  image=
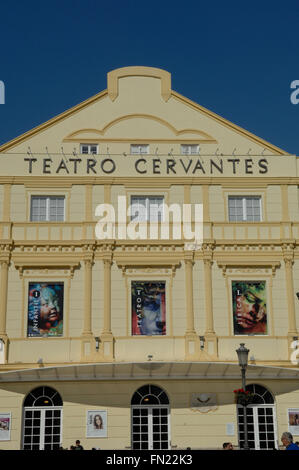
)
(150, 423)
(256, 424)
(43, 409)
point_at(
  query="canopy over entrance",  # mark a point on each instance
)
(148, 370)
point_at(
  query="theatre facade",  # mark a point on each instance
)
(125, 336)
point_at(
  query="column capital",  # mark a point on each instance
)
(208, 261)
(4, 262)
(88, 262)
(209, 246)
(289, 260)
(288, 246)
(107, 259)
(189, 257)
(5, 252)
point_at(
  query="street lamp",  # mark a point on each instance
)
(243, 361)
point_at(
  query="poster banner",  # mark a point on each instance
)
(293, 421)
(249, 307)
(148, 308)
(5, 425)
(45, 309)
(96, 424)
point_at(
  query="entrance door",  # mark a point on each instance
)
(261, 427)
(150, 419)
(261, 420)
(150, 428)
(42, 420)
(42, 428)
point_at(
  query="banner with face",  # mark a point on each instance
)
(249, 307)
(148, 308)
(45, 309)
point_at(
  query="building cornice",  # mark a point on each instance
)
(40, 181)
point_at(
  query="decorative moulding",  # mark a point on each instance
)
(115, 75)
(224, 265)
(47, 263)
(203, 402)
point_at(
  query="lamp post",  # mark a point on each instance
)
(243, 361)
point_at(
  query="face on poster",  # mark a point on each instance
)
(293, 421)
(45, 309)
(5, 421)
(96, 424)
(148, 308)
(249, 307)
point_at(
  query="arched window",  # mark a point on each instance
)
(43, 396)
(261, 420)
(150, 395)
(42, 419)
(150, 418)
(261, 396)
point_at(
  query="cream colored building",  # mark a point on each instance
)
(166, 388)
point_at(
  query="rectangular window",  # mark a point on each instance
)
(47, 209)
(192, 149)
(137, 149)
(147, 208)
(89, 149)
(244, 209)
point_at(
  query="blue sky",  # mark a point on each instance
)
(235, 58)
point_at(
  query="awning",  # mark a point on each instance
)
(148, 370)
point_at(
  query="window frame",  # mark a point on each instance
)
(140, 151)
(190, 146)
(147, 198)
(89, 149)
(47, 197)
(244, 207)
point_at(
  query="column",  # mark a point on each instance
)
(206, 203)
(3, 309)
(88, 297)
(107, 340)
(285, 203)
(107, 296)
(189, 296)
(88, 341)
(211, 344)
(6, 202)
(88, 203)
(3, 296)
(288, 259)
(191, 338)
(208, 295)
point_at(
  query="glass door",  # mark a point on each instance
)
(150, 427)
(42, 428)
(261, 423)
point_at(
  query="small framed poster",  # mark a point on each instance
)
(96, 423)
(293, 421)
(5, 425)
